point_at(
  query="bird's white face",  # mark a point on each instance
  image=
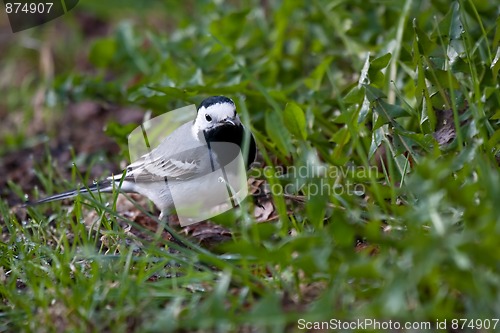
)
(215, 115)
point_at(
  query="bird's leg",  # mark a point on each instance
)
(163, 215)
(165, 225)
(163, 219)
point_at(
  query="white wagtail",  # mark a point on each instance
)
(180, 158)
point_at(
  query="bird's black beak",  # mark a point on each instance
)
(229, 121)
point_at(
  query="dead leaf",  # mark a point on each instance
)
(445, 131)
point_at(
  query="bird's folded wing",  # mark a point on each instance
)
(146, 170)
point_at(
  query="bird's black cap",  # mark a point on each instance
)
(215, 100)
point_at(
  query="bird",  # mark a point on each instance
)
(181, 165)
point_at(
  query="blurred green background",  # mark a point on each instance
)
(406, 91)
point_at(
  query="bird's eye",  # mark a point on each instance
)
(208, 118)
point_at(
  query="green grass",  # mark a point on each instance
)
(324, 85)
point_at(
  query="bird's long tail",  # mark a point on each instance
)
(104, 186)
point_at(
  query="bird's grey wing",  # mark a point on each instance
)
(183, 165)
(149, 171)
(178, 156)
